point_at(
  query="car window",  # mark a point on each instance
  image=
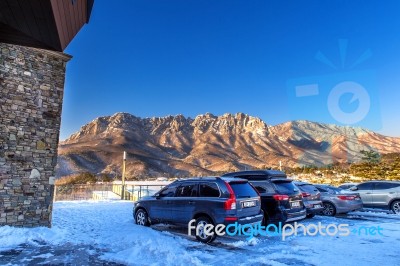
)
(382, 185)
(168, 191)
(307, 188)
(243, 190)
(329, 189)
(285, 187)
(321, 189)
(333, 190)
(365, 186)
(263, 187)
(209, 190)
(187, 190)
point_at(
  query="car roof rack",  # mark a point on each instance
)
(262, 173)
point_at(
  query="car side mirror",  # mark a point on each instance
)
(353, 188)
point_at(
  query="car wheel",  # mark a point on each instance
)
(396, 207)
(329, 209)
(311, 215)
(142, 218)
(201, 235)
(265, 221)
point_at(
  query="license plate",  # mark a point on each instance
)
(317, 206)
(295, 204)
(248, 204)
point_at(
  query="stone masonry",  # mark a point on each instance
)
(31, 94)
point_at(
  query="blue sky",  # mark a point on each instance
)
(156, 58)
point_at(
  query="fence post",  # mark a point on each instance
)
(123, 176)
(55, 193)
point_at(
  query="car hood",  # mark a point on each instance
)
(146, 198)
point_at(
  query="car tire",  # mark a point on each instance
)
(142, 218)
(395, 207)
(265, 221)
(201, 222)
(311, 215)
(329, 209)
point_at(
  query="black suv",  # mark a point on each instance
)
(281, 200)
(209, 200)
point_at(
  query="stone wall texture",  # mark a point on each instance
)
(31, 94)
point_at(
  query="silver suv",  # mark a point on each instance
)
(380, 194)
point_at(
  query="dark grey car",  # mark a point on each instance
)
(336, 200)
(311, 198)
(211, 200)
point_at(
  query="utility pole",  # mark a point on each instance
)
(280, 165)
(123, 176)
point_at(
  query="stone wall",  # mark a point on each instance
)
(31, 94)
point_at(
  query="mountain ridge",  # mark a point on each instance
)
(209, 144)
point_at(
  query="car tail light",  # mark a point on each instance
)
(230, 204)
(281, 197)
(347, 197)
(305, 194)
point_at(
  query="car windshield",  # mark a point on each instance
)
(285, 187)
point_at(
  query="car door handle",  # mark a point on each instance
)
(191, 202)
(392, 192)
(368, 193)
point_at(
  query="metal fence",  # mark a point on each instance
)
(81, 192)
(135, 192)
(105, 191)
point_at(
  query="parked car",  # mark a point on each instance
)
(311, 198)
(347, 185)
(336, 200)
(281, 200)
(380, 194)
(210, 200)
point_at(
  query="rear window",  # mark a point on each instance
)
(285, 187)
(243, 190)
(308, 188)
(263, 187)
(330, 189)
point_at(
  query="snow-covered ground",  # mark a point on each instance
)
(103, 233)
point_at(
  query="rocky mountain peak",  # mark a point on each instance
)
(208, 144)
